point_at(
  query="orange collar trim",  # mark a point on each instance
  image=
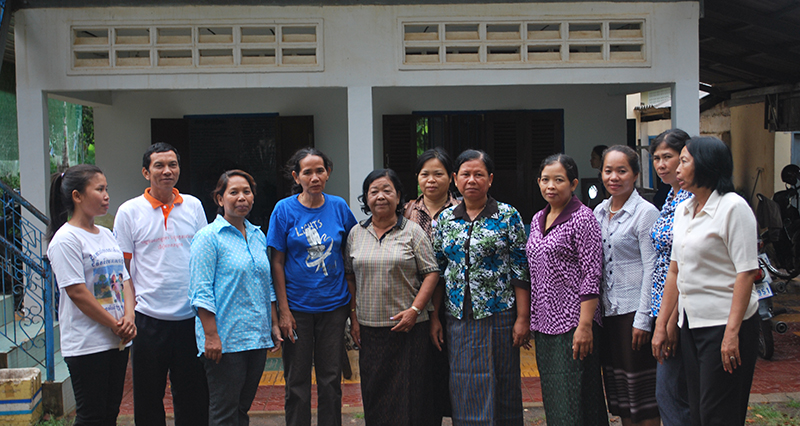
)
(156, 204)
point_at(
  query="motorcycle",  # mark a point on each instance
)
(766, 310)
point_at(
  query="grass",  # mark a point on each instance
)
(47, 421)
(358, 415)
(768, 415)
(793, 404)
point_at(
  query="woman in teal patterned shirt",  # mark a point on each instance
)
(480, 248)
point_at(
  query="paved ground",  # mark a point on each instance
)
(774, 381)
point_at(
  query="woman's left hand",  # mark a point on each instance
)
(276, 338)
(641, 339)
(730, 351)
(407, 320)
(126, 328)
(522, 333)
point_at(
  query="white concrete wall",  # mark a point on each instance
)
(122, 131)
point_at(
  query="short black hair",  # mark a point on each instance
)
(599, 150)
(567, 162)
(475, 154)
(438, 154)
(158, 147)
(713, 164)
(375, 175)
(674, 139)
(630, 155)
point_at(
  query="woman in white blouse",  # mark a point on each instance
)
(711, 273)
(629, 369)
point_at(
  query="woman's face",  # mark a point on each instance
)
(596, 161)
(473, 180)
(93, 201)
(685, 171)
(382, 198)
(433, 179)
(313, 175)
(237, 200)
(617, 175)
(665, 161)
(555, 185)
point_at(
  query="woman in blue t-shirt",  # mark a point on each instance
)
(307, 233)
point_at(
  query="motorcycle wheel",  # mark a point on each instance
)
(766, 344)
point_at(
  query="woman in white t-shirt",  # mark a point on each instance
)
(96, 311)
(713, 264)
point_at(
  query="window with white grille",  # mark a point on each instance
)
(525, 44)
(131, 49)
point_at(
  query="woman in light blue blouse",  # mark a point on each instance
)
(231, 290)
(671, 391)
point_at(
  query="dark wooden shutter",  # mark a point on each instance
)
(546, 138)
(175, 131)
(293, 133)
(400, 150)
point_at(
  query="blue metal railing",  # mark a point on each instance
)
(28, 278)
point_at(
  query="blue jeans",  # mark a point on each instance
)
(671, 392)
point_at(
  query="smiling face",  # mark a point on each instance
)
(313, 175)
(433, 179)
(685, 171)
(237, 200)
(473, 180)
(618, 177)
(555, 185)
(666, 161)
(93, 201)
(382, 198)
(164, 170)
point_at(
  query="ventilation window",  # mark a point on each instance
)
(463, 54)
(91, 59)
(175, 58)
(215, 57)
(421, 32)
(258, 56)
(133, 58)
(174, 36)
(544, 53)
(625, 30)
(299, 56)
(462, 32)
(92, 37)
(503, 54)
(215, 35)
(502, 32)
(132, 36)
(586, 52)
(258, 34)
(625, 52)
(585, 31)
(422, 55)
(544, 31)
(300, 34)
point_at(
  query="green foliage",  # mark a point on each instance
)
(793, 404)
(767, 415)
(11, 180)
(48, 421)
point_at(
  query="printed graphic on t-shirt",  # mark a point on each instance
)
(318, 251)
(107, 284)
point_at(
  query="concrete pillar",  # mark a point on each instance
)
(34, 146)
(359, 141)
(686, 106)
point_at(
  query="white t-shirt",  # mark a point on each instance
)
(94, 260)
(711, 249)
(158, 241)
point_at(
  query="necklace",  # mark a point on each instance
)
(614, 211)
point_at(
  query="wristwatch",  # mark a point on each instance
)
(416, 309)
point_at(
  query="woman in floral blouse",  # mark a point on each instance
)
(479, 245)
(671, 391)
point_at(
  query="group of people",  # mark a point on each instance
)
(648, 314)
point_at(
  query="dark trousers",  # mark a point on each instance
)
(320, 338)
(98, 380)
(715, 396)
(168, 347)
(232, 386)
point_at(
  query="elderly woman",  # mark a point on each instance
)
(434, 171)
(391, 269)
(671, 392)
(231, 290)
(713, 265)
(479, 245)
(629, 369)
(565, 259)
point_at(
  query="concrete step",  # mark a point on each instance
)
(58, 397)
(22, 343)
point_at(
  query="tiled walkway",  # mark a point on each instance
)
(779, 375)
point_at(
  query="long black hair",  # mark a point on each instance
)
(293, 165)
(75, 178)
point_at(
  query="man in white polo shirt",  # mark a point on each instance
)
(154, 231)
